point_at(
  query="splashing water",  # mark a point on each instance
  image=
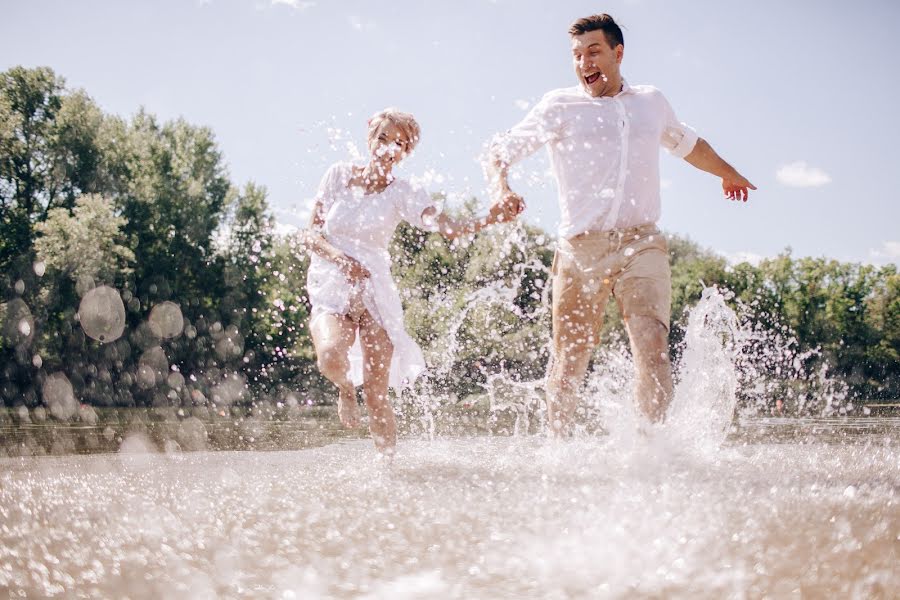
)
(505, 392)
(729, 365)
(672, 513)
(705, 397)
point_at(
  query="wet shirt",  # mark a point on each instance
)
(604, 153)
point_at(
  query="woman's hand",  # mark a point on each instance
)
(352, 269)
(506, 209)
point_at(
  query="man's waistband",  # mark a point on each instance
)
(618, 234)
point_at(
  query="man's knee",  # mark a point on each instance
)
(649, 340)
(569, 364)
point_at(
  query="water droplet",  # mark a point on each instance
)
(230, 390)
(628, 251)
(37, 361)
(20, 287)
(84, 285)
(58, 396)
(152, 367)
(17, 323)
(137, 444)
(40, 267)
(175, 380)
(102, 314)
(166, 320)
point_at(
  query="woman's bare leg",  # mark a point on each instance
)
(333, 335)
(377, 353)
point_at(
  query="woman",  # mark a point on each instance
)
(357, 318)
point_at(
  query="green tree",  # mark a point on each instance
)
(86, 242)
(49, 154)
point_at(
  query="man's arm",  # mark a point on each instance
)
(498, 176)
(523, 139)
(735, 185)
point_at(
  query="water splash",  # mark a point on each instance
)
(702, 409)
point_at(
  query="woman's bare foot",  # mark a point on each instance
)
(348, 411)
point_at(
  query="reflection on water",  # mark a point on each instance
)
(480, 517)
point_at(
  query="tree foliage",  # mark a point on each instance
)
(214, 302)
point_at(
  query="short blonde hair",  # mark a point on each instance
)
(405, 121)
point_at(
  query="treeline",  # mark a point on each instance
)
(146, 208)
(133, 271)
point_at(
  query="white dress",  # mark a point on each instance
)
(361, 226)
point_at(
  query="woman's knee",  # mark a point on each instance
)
(333, 362)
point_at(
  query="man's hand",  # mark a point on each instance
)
(736, 187)
(507, 208)
(353, 269)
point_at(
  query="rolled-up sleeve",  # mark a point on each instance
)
(540, 126)
(677, 137)
(327, 187)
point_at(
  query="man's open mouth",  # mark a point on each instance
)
(592, 78)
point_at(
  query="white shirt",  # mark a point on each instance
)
(604, 153)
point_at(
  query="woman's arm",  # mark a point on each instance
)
(451, 228)
(313, 241)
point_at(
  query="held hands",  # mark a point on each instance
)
(352, 269)
(736, 187)
(507, 207)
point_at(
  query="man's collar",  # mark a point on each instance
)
(626, 89)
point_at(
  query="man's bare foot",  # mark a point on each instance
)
(348, 411)
(386, 452)
(559, 419)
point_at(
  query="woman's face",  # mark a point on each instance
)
(390, 145)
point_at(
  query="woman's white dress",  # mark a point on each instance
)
(361, 226)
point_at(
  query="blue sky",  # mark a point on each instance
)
(800, 96)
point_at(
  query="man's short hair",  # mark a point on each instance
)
(603, 22)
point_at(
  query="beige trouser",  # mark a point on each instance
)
(632, 265)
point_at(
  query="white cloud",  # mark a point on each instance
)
(297, 4)
(800, 174)
(888, 253)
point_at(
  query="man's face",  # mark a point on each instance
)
(596, 63)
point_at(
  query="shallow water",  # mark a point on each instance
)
(484, 517)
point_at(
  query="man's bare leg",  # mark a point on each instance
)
(377, 353)
(653, 369)
(333, 335)
(565, 379)
(573, 343)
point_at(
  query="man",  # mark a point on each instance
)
(604, 136)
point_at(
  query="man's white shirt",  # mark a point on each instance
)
(604, 153)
